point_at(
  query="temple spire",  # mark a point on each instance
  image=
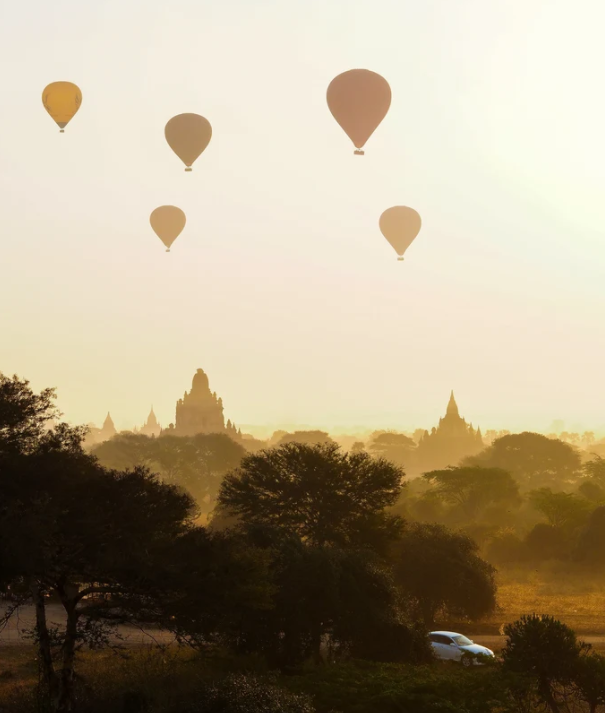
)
(452, 407)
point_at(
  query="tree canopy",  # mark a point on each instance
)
(534, 460)
(591, 544)
(195, 463)
(440, 571)
(318, 493)
(473, 488)
(561, 510)
(24, 415)
(545, 650)
(395, 447)
(309, 438)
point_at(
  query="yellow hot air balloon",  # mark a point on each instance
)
(359, 100)
(62, 100)
(167, 222)
(188, 135)
(400, 225)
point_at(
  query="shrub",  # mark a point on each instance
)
(364, 687)
(245, 694)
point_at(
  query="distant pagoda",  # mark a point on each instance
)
(151, 427)
(108, 431)
(452, 440)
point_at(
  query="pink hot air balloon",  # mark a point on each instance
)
(359, 100)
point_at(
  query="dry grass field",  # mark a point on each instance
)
(573, 597)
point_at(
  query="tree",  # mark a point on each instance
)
(395, 447)
(473, 488)
(491, 435)
(545, 650)
(24, 415)
(326, 592)
(125, 450)
(358, 447)
(309, 438)
(561, 510)
(441, 573)
(591, 545)
(532, 459)
(589, 680)
(506, 548)
(318, 493)
(593, 483)
(196, 463)
(595, 469)
(111, 546)
(545, 542)
(588, 438)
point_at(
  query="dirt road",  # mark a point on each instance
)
(495, 643)
(15, 632)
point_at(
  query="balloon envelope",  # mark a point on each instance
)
(167, 222)
(188, 135)
(359, 100)
(400, 225)
(62, 100)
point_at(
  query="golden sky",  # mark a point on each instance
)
(281, 286)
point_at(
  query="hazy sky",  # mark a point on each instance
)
(281, 286)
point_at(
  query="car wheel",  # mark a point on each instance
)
(467, 661)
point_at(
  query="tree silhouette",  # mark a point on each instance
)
(440, 571)
(534, 460)
(318, 493)
(547, 651)
(396, 447)
(474, 488)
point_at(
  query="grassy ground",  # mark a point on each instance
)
(168, 679)
(576, 598)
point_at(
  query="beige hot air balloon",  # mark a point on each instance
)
(359, 100)
(188, 135)
(400, 225)
(62, 100)
(167, 222)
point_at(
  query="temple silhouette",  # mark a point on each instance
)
(201, 411)
(452, 440)
(151, 426)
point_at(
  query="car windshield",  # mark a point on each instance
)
(462, 640)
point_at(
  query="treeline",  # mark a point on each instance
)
(525, 500)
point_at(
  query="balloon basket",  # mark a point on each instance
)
(188, 169)
(167, 250)
(399, 258)
(61, 131)
(359, 152)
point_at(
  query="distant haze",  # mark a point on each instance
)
(281, 286)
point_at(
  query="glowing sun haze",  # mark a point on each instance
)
(281, 286)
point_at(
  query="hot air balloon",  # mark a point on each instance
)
(400, 225)
(188, 135)
(359, 100)
(167, 222)
(62, 100)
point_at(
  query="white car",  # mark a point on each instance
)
(450, 646)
